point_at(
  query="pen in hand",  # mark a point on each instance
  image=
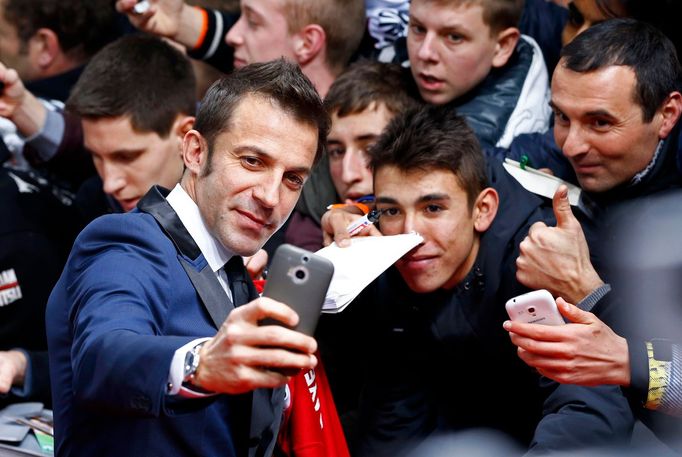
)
(364, 221)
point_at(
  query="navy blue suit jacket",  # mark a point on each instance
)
(136, 288)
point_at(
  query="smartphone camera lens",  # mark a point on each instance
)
(531, 310)
(298, 274)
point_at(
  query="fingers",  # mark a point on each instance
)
(256, 264)
(138, 19)
(539, 332)
(335, 226)
(6, 377)
(12, 369)
(562, 208)
(544, 348)
(263, 308)
(575, 314)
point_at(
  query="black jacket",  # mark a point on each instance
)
(37, 228)
(441, 362)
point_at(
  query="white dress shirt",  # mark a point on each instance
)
(216, 256)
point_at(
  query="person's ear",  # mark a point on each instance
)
(44, 49)
(504, 48)
(309, 42)
(194, 151)
(182, 125)
(485, 209)
(670, 113)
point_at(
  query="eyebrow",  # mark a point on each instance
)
(600, 113)
(269, 158)
(117, 151)
(363, 137)
(423, 199)
(593, 113)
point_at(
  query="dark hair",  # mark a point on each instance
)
(633, 44)
(83, 27)
(432, 137)
(365, 82)
(279, 81)
(497, 14)
(343, 22)
(138, 76)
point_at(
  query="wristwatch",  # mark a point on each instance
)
(191, 364)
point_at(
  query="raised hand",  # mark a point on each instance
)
(558, 258)
(245, 355)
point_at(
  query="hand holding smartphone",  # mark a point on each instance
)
(536, 307)
(299, 279)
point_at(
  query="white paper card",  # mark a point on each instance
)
(359, 264)
(540, 183)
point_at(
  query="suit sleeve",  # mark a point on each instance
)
(577, 417)
(119, 294)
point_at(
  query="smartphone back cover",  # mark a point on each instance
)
(300, 279)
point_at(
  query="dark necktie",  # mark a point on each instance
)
(236, 276)
(240, 404)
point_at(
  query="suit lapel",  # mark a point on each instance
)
(212, 295)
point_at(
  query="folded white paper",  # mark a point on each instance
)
(359, 264)
(539, 182)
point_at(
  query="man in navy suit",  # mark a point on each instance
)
(154, 349)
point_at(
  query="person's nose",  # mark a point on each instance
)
(234, 36)
(410, 223)
(267, 191)
(575, 143)
(427, 49)
(113, 179)
(352, 166)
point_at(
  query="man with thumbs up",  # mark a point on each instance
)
(623, 149)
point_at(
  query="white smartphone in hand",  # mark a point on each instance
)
(299, 279)
(536, 307)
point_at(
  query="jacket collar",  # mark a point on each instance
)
(204, 280)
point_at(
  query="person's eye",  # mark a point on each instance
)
(417, 29)
(389, 212)
(335, 152)
(126, 157)
(251, 162)
(251, 22)
(454, 37)
(432, 209)
(560, 118)
(601, 124)
(294, 180)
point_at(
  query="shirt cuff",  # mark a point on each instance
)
(587, 303)
(176, 373)
(47, 141)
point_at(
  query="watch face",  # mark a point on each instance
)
(190, 365)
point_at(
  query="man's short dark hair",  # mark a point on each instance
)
(366, 82)
(138, 76)
(627, 42)
(83, 27)
(279, 81)
(432, 137)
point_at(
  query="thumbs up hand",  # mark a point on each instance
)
(558, 258)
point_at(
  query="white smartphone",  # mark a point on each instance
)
(299, 279)
(536, 307)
